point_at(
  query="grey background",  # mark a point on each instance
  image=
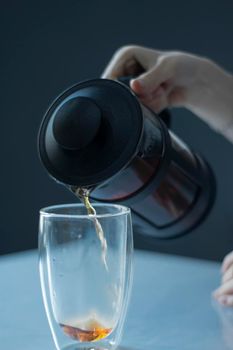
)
(50, 45)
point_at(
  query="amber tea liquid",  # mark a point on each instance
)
(92, 332)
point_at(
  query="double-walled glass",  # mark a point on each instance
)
(85, 287)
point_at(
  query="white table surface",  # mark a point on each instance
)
(171, 305)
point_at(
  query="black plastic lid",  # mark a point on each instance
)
(90, 132)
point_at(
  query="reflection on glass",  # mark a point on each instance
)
(170, 201)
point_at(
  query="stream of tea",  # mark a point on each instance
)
(93, 330)
(83, 195)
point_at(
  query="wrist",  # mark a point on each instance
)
(211, 95)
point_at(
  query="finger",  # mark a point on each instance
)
(132, 68)
(226, 288)
(158, 98)
(160, 74)
(228, 274)
(156, 103)
(177, 97)
(226, 300)
(227, 261)
(123, 67)
(118, 64)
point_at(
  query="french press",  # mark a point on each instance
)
(97, 135)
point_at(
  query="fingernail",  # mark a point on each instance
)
(136, 85)
(132, 82)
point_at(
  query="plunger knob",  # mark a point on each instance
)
(76, 123)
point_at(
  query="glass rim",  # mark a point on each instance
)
(46, 210)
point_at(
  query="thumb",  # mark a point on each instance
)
(149, 81)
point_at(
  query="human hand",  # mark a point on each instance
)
(224, 294)
(177, 79)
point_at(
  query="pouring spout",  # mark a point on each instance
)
(80, 192)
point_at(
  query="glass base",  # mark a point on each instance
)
(101, 345)
(83, 347)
